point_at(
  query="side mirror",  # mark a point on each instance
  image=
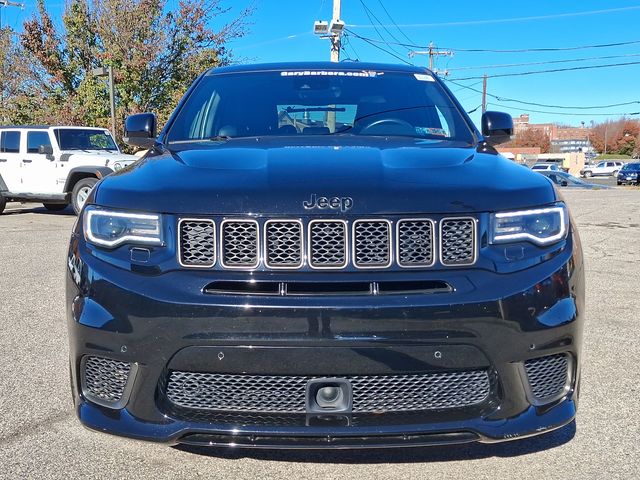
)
(497, 127)
(45, 150)
(140, 130)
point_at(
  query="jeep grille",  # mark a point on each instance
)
(327, 243)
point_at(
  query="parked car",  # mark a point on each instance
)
(605, 168)
(539, 167)
(55, 165)
(379, 277)
(630, 174)
(563, 179)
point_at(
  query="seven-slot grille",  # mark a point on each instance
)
(327, 243)
(287, 394)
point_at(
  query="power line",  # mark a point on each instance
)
(518, 50)
(378, 47)
(609, 114)
(393, 21)
(545, 62)
(566, 107)
(509, 20)
(554, 70)
(370, 14)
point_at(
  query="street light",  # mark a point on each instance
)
(108, 72)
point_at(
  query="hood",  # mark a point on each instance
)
(276, 175)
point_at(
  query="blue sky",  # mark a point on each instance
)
(281, 31)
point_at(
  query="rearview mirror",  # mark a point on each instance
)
(497, 127)
(140, 130)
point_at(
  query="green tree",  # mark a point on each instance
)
(155, 50)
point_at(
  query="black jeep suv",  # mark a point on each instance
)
(324, 255)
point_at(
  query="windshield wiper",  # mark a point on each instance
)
(219, 138)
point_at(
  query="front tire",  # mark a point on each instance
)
(55, 207)
(80, 193)
(588, 174)
(3, 203)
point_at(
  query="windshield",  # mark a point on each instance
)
(84, 139)
(634, 167)
(318, 103)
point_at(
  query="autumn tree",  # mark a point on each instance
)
(621, 136)
(531, 137)
(156, 49)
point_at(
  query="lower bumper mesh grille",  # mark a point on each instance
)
(104, 380)
(287, 394)
(548, 376)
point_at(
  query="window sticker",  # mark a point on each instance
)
(330, 73)
(441, 132)
(424, 77)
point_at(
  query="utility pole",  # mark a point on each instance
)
(335, 37)
(333, 31)
(606, 127)
(433, 52)
(484, 93)
(108, 72)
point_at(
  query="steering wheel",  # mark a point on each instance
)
(387, 121)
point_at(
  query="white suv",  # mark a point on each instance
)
(602, 169)
(55, 165)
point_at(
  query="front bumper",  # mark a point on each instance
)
(160, 323)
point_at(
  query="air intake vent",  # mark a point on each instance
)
(197, 243)
(286, 394)
(240, 244)
(327, 244)
(371, 243)
(283, 244)
(548, 377)
(104, 380)
(457, 241)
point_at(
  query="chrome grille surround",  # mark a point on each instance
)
(239, 243)
(283, 244)
(415, 242)
(196, 242)
(106, 381)
(371, 243)
(328, 244)
(458, 241)
(287, 394)
(548, 377)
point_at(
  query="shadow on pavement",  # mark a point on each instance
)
(470, 451)
(18, 209)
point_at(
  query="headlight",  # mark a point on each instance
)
(541, 226)
(110, 229)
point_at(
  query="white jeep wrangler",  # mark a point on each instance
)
(55, 165)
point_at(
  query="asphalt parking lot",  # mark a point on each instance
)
(40, 437)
